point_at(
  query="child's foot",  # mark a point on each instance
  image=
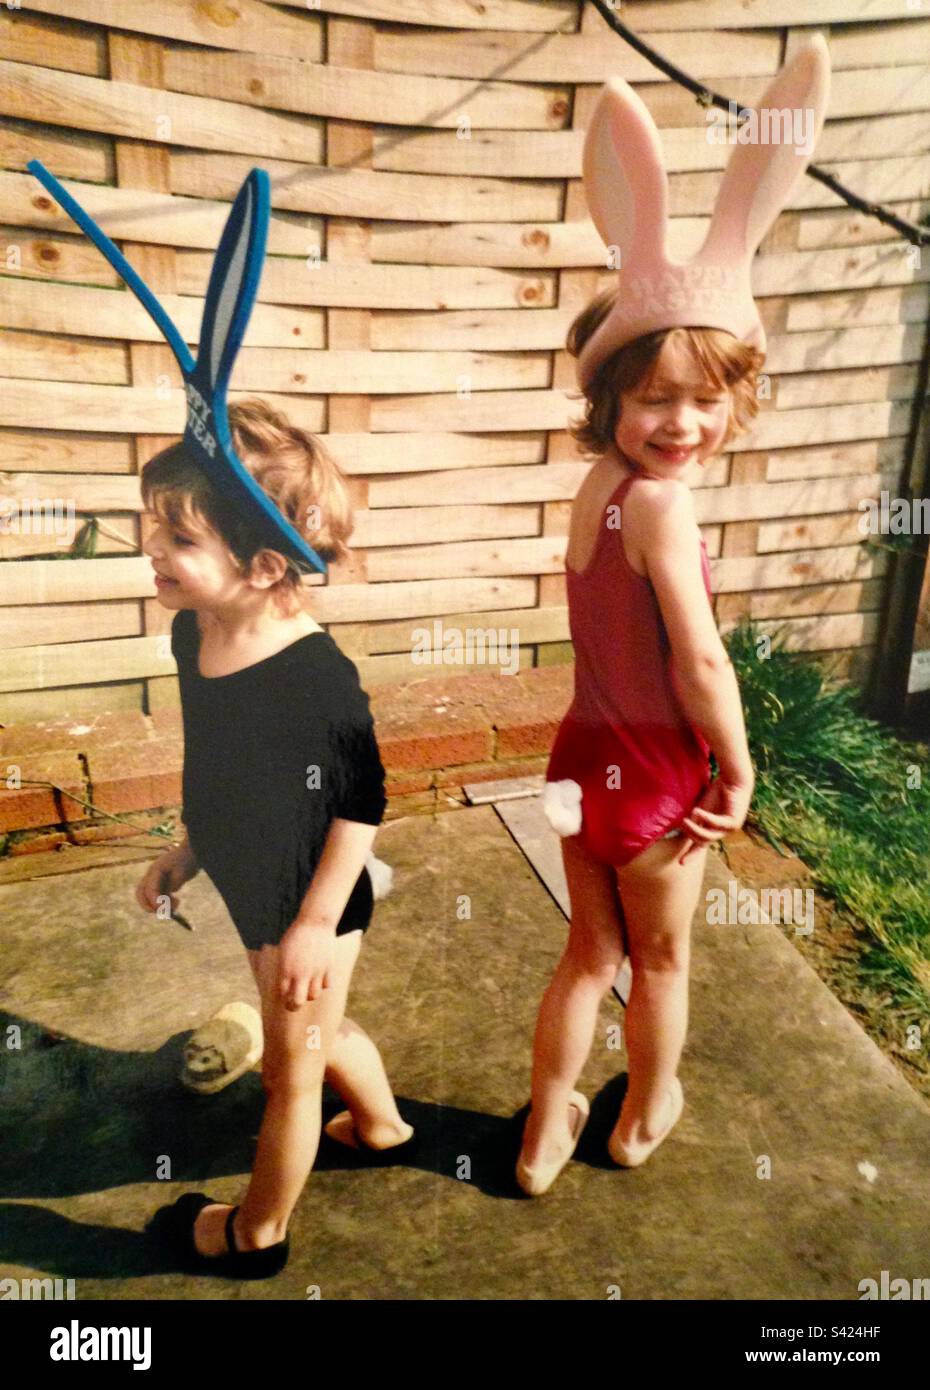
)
(210, 1232)
(537, 1177)
(383, 1136)
(630, 1148)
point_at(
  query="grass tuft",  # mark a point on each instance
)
(848, 796)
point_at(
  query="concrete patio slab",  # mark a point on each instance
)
(777, 1075)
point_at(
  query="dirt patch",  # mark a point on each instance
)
(834, 949)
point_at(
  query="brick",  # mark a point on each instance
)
(35, 843)
(167, 722)
(31, 807)
(134, 777)
(50, 735)
(407, 783)
(490, 772)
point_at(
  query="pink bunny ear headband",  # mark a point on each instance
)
(627, 191)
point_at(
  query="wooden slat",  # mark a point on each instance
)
(857, 92)
(576, 58)
(749, 14)
(829, 565)
(527, 16)
(530, 16)
(117, 536)
(286, 369)
(80, 154)
(62, 359)
(850, 227)
(125, 109)
(557, 153)
(247, 26)
(135, 215)
(118, 314)
(107, 492)
(823, 633)
(122, 409)
(81, 702)
(589, 57)
(361, 94)
(45, 624)
(354, 192)
(841, 529)
(860, 596)
(50, 452)
(27, 37)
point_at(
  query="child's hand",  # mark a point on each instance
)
(305, 958)
(164, 877)
(723, 808)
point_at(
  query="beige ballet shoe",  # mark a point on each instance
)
(539, 1178)
(226, 1047)
(632, 1155)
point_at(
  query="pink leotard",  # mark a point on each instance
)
(625, 739)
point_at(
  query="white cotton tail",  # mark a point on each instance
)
(381, 874)
(562, 806)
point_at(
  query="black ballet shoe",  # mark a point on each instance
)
(173, 1227)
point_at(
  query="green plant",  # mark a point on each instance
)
(846, 793)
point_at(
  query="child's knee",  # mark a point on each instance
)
(665, 953)
(296, 1060)
(293, 1073)
(595, 962)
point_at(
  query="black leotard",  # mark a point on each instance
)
(253, 741)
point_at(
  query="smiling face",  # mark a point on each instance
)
(673, 419)
(193, 567)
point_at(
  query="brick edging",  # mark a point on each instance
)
(435, 734)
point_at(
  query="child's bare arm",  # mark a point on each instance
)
(703, 676)
(306, 950)
(347, 846)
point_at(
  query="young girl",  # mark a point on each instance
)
(654, 692)
(667, 363)
(283, 791)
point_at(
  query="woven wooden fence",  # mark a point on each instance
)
(429, 247)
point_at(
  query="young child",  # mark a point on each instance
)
(283, 782)
(667, 364)
(283, 791)
(636, 588)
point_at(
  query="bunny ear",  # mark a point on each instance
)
(118, 262)
(762, 175)
(233, 283)
(625, 182)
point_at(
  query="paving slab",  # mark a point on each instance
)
(798, 1169)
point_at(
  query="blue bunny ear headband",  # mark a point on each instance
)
(230, 296)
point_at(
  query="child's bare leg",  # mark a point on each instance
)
(355, 1069)
(292, 1074)
(659, 897)
(568, 1013)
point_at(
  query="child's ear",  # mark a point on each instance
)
(267, 568)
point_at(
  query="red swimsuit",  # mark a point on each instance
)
(625, 740)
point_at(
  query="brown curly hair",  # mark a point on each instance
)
(292, 467)
(727, 364)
